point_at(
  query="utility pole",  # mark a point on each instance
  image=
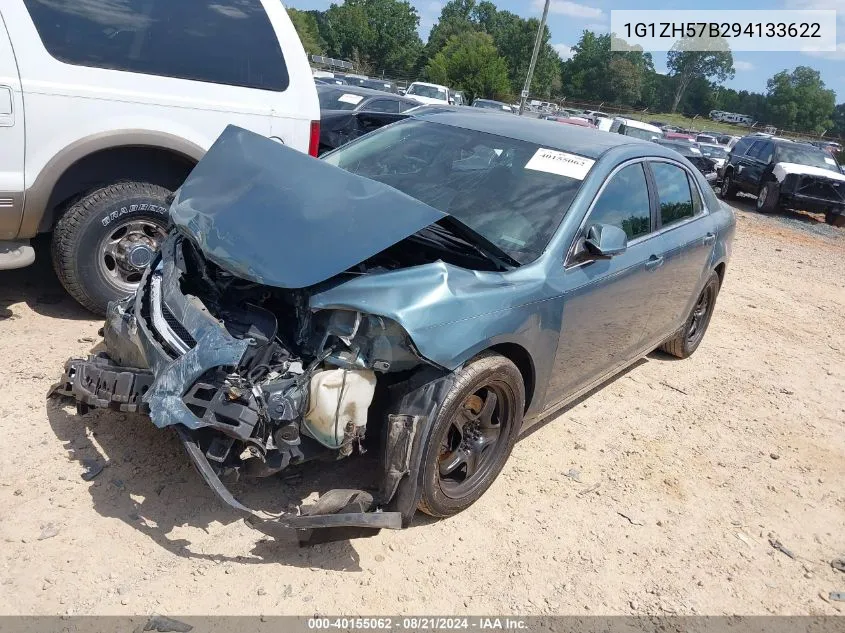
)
(537, 43)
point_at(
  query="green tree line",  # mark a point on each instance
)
(484, 51)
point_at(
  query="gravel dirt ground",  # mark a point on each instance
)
(657, 494)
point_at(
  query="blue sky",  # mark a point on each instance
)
(568, 18)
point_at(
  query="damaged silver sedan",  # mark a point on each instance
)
(428, 290)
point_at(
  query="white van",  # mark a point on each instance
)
(637, 129)
(429, 94)
(104, 109)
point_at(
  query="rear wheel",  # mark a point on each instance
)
(767, 199)
(690, 337)
(106, 239)
(473, 435)
(728, 189)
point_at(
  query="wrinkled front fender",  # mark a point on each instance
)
(451, 313)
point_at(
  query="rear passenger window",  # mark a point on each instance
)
(383, 105)
(223, 42)
(624, 203)
(673, 193)
(741, 147)
(761, 150)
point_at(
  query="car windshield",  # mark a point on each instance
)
(481, 179)
(432, 92)
(338, 100)
(714, 152)
(802, 155)
(636, 132)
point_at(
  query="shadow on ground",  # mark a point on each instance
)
(149, 483)
(38, 287)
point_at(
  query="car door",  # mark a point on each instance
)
(688, 235)
(11, 140)
(748, 167)
(758, 158)
(607, 302)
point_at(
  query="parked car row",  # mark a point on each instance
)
(785, 174)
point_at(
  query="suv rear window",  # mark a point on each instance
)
(224, 42)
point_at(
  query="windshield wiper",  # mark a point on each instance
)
(468, 236)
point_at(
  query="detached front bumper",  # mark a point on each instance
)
(98, 383)
(813, 193)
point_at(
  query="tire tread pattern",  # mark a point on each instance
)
(70, 227)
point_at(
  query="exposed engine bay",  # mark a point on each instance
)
(255, 380)
(306, 380)
(265, 346)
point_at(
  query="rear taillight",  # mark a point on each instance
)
(314, 142)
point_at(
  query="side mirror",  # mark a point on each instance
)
(605, 240)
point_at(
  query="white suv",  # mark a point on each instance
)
(105, 107)
(428, 94)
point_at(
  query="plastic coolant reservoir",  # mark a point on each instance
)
(325, 420)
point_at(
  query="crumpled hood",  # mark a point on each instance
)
(275, 216)
(781, 170)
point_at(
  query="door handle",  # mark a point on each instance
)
(7, 112)
(709, 238)
(654, 262)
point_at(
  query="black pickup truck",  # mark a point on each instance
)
(786, 174)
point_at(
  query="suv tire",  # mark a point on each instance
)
(728, 189)
(834, 219)
(106, 239)
(768, 198)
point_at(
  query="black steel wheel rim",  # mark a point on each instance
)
(700, 315)
(473, 444)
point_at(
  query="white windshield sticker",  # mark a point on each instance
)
(829, 161)
(560, 163)
(348, 98)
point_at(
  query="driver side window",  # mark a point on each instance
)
(624, 203)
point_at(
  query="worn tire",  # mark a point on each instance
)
(834, 219)
(728, 189)
(768, 198)
(682, 345)
(77, 237)
(487, 368)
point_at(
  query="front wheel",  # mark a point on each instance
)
(767, 199)
(106, 239)
(472, 436)
(690, 337)
(728, 188)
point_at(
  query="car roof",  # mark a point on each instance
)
(584, 141)
(423, 83)
(361, 91)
